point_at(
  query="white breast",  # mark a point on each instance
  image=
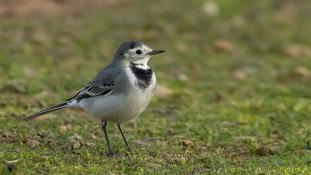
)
(121, 107)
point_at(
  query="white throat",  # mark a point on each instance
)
(142, 64)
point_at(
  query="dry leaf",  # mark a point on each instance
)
(76, 144)
(223, 45)
(90, 144)
(186, 142)
(64, 128)
(8, 136)
(75, 137)
(302, 71)
(181, 47)
(182, 77)
(264, 151)
(296, 51)
(163, 91)
(210, 8)
(94, 136)
(239, 75)
(76, 141)
(31, 143)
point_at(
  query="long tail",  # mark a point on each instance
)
(48, 110)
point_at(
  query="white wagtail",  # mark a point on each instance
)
(119, 92)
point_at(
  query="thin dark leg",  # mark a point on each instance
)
(124, 139)
(104, 126)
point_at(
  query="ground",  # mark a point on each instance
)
(233, 96)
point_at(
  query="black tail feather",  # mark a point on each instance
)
(45, 111)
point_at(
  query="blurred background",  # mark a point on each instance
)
(234, 83)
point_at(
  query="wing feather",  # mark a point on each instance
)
(103, 84)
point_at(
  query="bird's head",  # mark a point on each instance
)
(135, 52)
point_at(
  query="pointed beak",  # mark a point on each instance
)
(154, 52)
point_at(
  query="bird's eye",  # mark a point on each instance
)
(138, 52)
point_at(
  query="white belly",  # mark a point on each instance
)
(120, 107)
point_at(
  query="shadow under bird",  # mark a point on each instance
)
(120, 91)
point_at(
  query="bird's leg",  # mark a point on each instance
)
(104, 126)
(124, 139)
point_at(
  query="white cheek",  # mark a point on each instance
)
(143, 62)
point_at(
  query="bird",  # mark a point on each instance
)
(120, 92)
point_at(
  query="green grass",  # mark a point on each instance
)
(214, 122)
